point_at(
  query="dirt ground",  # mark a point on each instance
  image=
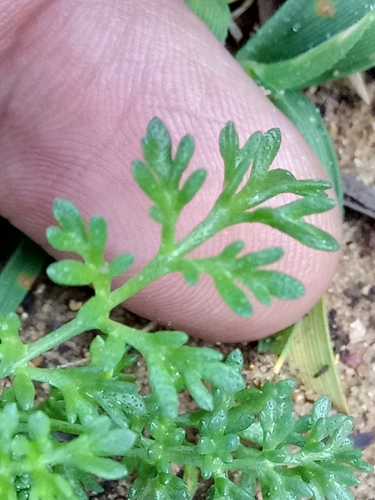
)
(351, 297)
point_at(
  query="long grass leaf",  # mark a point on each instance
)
(311, 351)
(19, 274)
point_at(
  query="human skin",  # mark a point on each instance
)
(80, 82)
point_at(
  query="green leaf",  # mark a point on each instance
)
(77, 479)
(266, 153)
(360, 57)
(190, 478)
(19, 273)
(70, 219)
(275, 343)
(9, 419)
(62, 241)
(71, 398)
(222, 376)
(24, 391)
(198, 390)
(160, 175)
(73, 236)
(191, 186)
(71, 273)
(236, 160)
(298, 26)
(288, 219)
(103, 467)
(39, 425)
(287, 458)
(277, 421)
(300, 110)
(12, 349)
(311, 350)
(303, 69)
(98, 233)
(116, 442)
(162, 384)
(163, 339)
(226, 269)
(232, 295)
(113, 352)
(214, 13)
(229, 490)
(239, 419)
(324, 427)
(320, 409)
(235, 359)
(120, 264)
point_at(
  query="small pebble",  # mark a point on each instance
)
(332, 128)
(357, 331)
(352, 359)
(40, 289)
(75, 305)
(37, 361)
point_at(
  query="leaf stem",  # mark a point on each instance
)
(55, 338)
(164, 264)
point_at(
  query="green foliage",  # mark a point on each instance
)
(94, 422)
(307, 43)
(304, 43)
(301, 111)
(340, 31)
(19, 274)
(214, 13)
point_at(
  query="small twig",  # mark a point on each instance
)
(150, 326)
(241, 9)
(77, 362)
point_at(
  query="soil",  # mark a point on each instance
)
(351, 297)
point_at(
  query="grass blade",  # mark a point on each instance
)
(311, 351)
(19, 274)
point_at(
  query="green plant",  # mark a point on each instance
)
(98, 407)
(304, 43)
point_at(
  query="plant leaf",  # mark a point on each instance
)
(214, 13)
(226, 269)
(300, 110)
(305, 68)
(311, 350)
(120, 264)
(297, 27)
(71, 272)
(19, 273)
(24, 391)
(288, 219)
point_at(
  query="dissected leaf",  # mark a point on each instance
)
(95, 412)
(289, 220)
(160, 175)
(226, 270)
(300, 110)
